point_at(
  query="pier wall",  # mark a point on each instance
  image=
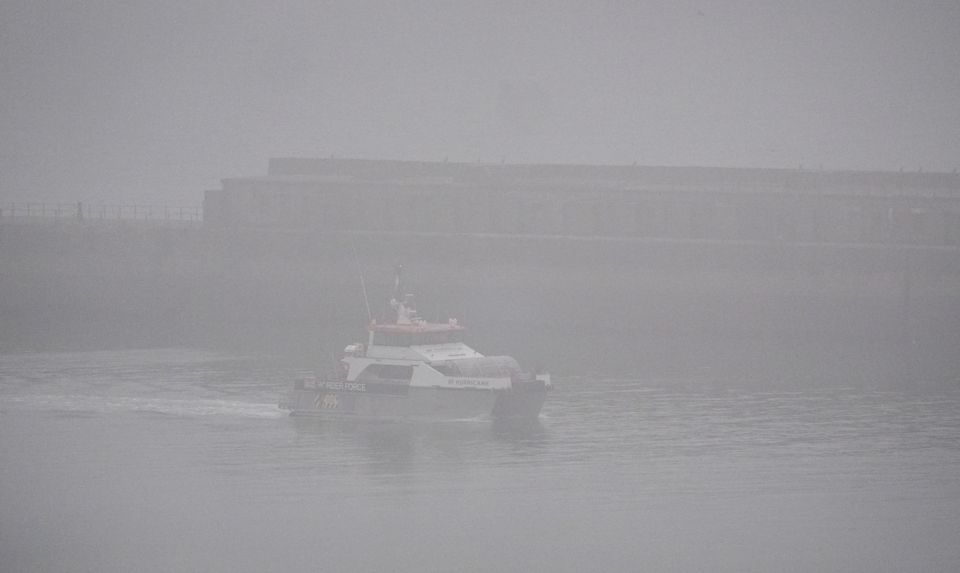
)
(594, 201)
(632, 306)
(785, 275)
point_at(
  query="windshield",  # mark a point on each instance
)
(417, 338)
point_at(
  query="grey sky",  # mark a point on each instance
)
(149, 101)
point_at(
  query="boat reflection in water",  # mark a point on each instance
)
(393, 447)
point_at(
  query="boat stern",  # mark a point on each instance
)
(524, 399)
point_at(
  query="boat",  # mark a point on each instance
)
(414, 369)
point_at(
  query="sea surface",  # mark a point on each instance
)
(180, 460)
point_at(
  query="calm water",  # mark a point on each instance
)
(180, 461)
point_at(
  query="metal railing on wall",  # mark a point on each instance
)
(80, 211)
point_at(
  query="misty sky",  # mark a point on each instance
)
(155, 101)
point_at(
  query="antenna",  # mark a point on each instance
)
(363, 284)
(398, 282)
(366, 301)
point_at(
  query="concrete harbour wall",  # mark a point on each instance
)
(804, 313)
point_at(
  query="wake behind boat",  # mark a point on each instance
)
(414, 369)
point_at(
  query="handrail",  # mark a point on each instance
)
(81, 211)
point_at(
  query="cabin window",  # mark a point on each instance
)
(416, 339)
(432, 338)
(483, 367)
(375, 372)
(446, 368)
(392, 339)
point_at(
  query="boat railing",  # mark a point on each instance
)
(36, 212)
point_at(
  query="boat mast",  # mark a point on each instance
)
(363, 284)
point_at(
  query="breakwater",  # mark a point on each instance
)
(806, 312)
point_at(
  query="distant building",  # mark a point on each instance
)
(331, 195)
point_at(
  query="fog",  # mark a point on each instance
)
(680, 286)
(124, 101)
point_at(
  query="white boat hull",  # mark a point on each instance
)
(400, 401)
(410, 404)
